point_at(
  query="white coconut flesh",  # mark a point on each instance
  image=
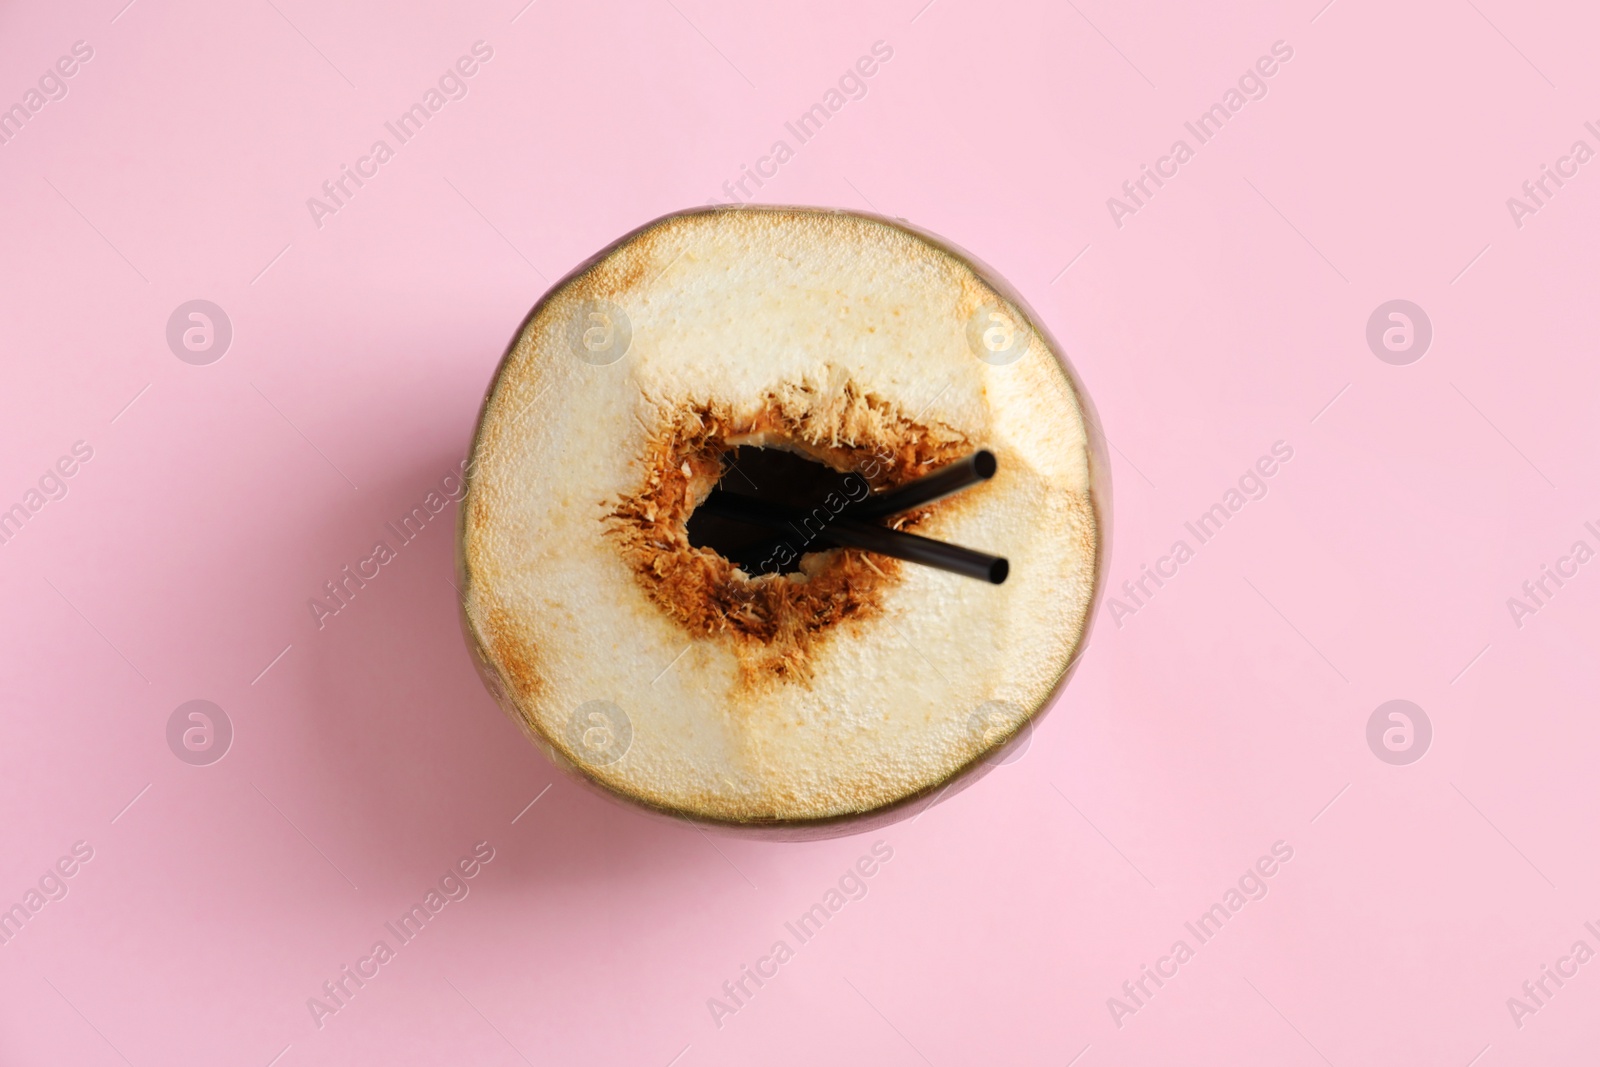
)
(669, 675)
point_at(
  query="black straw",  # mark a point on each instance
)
(852, 533)
(935, 485)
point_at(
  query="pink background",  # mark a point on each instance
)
(1226, 714)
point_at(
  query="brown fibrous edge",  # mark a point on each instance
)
(774, 622)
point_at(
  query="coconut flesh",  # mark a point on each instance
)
(776, 346)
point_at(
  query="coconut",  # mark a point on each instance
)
(820, 688)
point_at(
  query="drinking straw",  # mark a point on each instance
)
(853, 533)
(978, 467)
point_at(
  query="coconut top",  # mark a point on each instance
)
(662, 670)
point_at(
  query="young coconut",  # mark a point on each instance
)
(748, 676)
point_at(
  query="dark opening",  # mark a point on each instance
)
(774, 475)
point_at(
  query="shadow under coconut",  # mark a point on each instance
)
(402, 743)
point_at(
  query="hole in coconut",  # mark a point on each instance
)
(780, 477)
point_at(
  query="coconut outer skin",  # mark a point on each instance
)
(828, 333)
